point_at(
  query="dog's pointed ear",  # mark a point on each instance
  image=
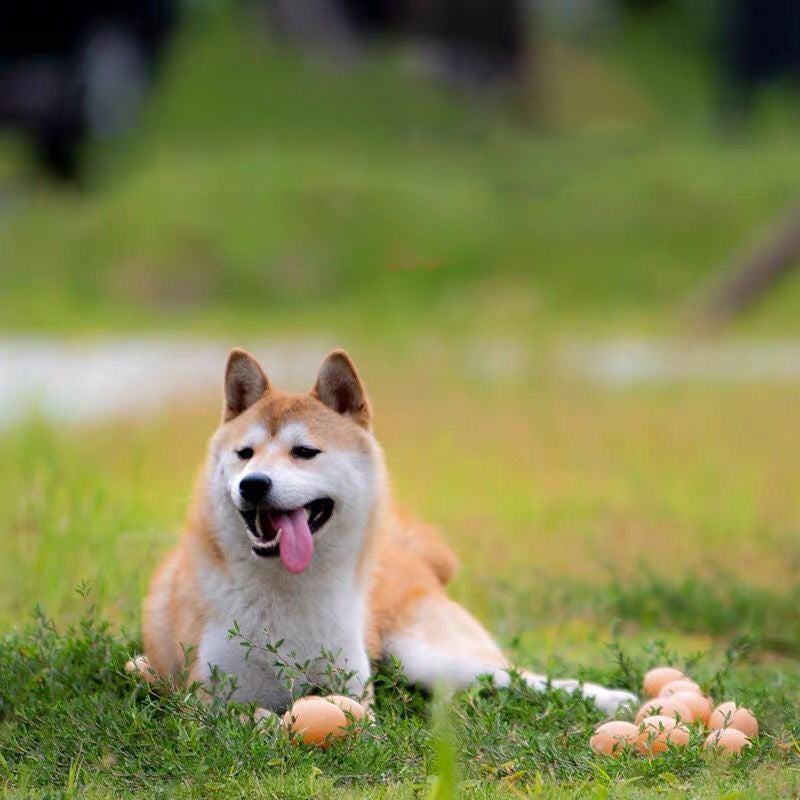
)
(245, 383)
(339, 387)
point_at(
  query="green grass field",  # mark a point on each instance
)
(601, 529)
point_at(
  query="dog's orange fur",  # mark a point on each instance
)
(409, 561)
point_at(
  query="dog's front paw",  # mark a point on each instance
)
(140, 666)
(610, 701)
(263, 718)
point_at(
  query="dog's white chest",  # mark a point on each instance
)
(312, 634)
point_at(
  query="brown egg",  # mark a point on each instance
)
(658, 677)
(665, 707)
(729, 715)
(611, 737)
(348, 705)
(657, 733)
(698, 704)
(673, 687)
(726, 740)
(314, 720)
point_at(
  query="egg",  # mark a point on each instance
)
(611, 737)
(698, 704)
(658, 677)
(348, 705)
(673, 687)
(729, 715)
(657, 733)
(727, 740)
(315, 720)
(665, 707)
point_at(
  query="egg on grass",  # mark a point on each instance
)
(658, 677)
(665, 707)
(698, 704)
(318, 720)
(348, 705)
(730, 715)
(611, 738)
(683, 685)
(657, 733)
(726, 740)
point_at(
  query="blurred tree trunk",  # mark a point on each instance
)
(757, 271)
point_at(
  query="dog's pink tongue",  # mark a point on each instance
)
(296, 545)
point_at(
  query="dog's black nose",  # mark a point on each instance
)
(255, 487)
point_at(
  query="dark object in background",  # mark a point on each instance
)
(477, 41)
(74, 70)
(755, 272)
(643, 6)
(760, 43)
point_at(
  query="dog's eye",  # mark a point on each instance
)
(301, 451)
(246, 453)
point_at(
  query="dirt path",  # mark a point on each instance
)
(82, 379)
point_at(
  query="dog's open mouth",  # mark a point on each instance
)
(287, 532)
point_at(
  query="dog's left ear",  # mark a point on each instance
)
(245, 383)
(339, 387)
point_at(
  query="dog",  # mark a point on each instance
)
(293, 538)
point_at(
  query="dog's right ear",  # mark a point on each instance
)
(339, 387)
(245, 383)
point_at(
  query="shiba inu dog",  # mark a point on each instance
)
(292, 535)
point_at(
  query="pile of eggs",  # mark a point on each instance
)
(318, 720)
(676, 702)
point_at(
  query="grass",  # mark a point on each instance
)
(600, 530)
(80, 723)
(545, 479)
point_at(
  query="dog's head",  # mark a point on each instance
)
(294, 476)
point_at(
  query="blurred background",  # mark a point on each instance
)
(558, 239)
